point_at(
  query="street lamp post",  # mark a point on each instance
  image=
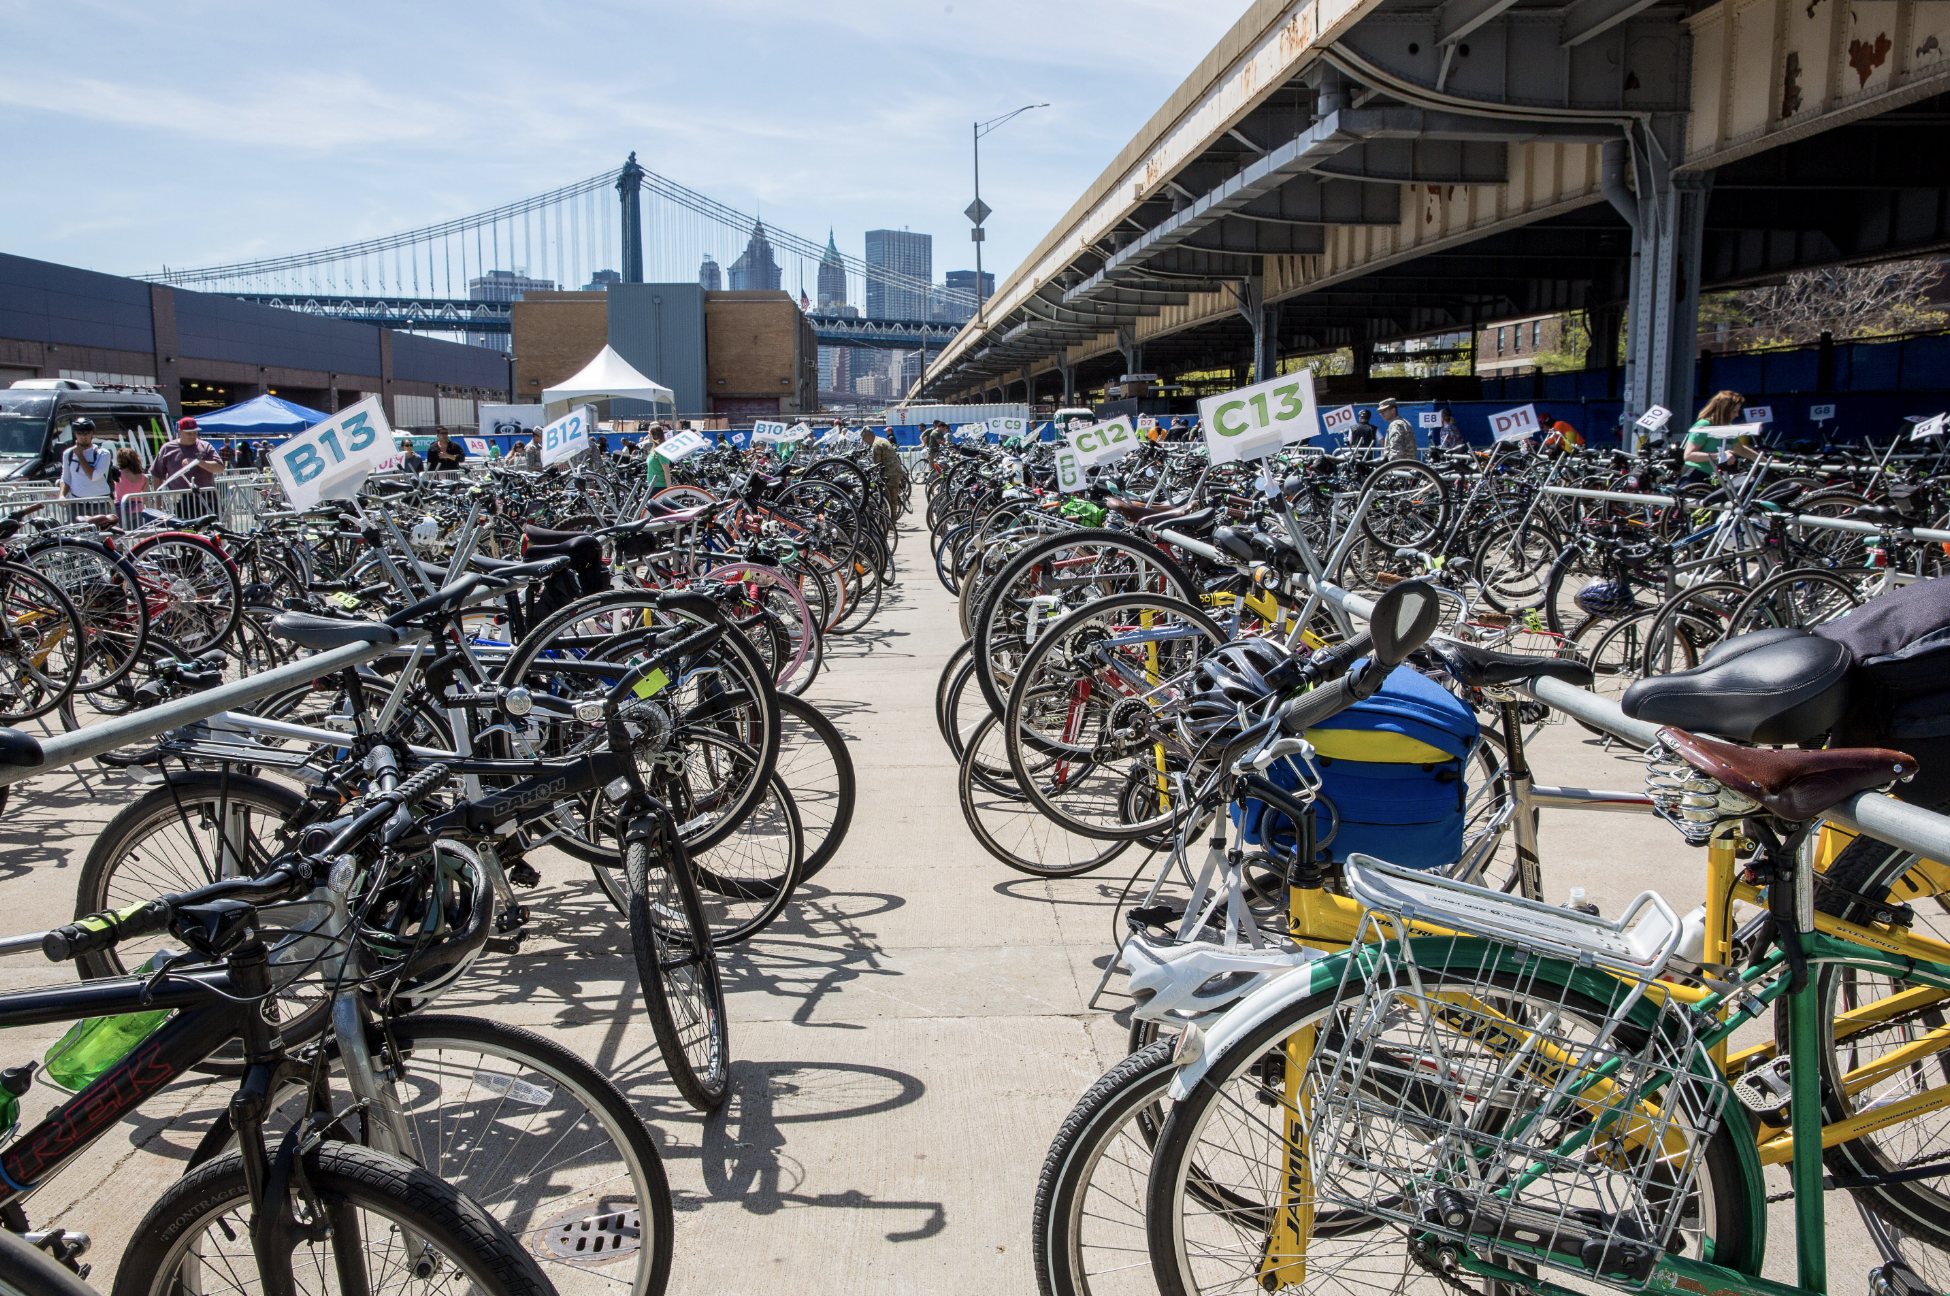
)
(976, 211)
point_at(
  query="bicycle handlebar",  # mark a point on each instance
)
(104, 930)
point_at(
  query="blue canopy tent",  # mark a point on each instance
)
(260, 416)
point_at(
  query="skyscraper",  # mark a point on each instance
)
(832, 276)
(709, 277)
(756, 270)
(964, 280)
(907, 254)
(502, 286)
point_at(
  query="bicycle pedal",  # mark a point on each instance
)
(503, 944)
(1897, 1279)
(1767, 1087)
(523, 874)
(510, 918)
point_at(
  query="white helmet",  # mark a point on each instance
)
(1178, 982)
(425, 534)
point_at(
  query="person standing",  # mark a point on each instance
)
(1400, 443)
(531, 454)
(1705, 451)
(246, 457)
(1450, 435)
(888, 460)
(185, 463)
(128, 481)
(84, 465)
(445, 453)
(1362, 435)
(656, 468)
(934, 440)
(411, 461)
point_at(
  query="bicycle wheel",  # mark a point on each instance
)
(388, 1226)
(107, 595)
(1802, 598)
(815, 765)
(1409, 506)
(542, 1140)
(1884, 1041)
(1008, 825)
(1092, 694)
(1087, 1227)
(746, 880)
(43, 645)
(1699, 616)
(191, 586)
(1513, 560)
(677, 966)
(1616, 650)
(1232, 1150)
(26, 1270)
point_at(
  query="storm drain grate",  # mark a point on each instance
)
(592, 1238)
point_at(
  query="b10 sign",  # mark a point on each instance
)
(1256, 421)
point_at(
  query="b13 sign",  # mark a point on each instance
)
(1256, 421)
(568, 435)
(331, 460)
(1102, 442)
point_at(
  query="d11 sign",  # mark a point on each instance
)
(1514, 424)
(331, 460)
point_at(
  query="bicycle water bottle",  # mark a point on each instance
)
(94, 1044)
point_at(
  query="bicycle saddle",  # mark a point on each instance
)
(1136, 510)
(320, 633)
(582, 548)
(1189, 524)
(22, 750)
(1246, 546)
(1482, 668)
(1796, 785)
(1881, 515)
(543, 535)
(1773, 687)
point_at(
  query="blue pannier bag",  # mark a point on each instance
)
(1392, 768)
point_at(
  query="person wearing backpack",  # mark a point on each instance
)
(87, 470)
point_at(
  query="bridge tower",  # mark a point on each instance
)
(629, 184)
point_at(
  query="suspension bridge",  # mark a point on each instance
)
(629, 224)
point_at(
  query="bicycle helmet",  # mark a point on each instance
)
(1234, 675)
(1608, 598)
(425, 534)
(1188, 982)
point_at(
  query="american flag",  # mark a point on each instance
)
(804, 302)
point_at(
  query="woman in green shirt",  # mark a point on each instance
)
(655, 464)
(1704, 451)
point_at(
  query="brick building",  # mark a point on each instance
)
(1512, 346)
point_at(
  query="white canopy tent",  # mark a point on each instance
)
(607, 377)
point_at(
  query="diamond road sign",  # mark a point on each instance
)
(978, 211)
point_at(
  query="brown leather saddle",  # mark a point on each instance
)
(1796, 785)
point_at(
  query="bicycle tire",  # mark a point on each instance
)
(1410, 506)
(678, 975)
(1090, 1195)
(107, 595)
(196, 574)
(43, 645)
(26, 1270)
(354, 1180)
(1800, 598)
(815, 764)
(1005, 823)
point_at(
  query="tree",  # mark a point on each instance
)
(1846, 301)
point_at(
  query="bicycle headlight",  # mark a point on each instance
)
(517, 701)
(590, 710)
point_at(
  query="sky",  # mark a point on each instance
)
(187, 133)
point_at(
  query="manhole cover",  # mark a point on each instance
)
(592, 1237)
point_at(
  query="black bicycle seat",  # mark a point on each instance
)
(544, 535)
(22, 750)
(320, 633)
(582, 548)
(1881, 515)
(1482, 668)
(1243, 545)
(1776, 687)
(1190, 524)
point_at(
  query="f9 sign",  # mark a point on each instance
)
(1102, 442)
(333, 459)
(1256, 421)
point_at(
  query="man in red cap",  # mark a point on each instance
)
(188, 461)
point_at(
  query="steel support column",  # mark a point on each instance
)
(629, 184)
(1667, 237)
(1264, 320)
(1133, 349)
(1069, 373)
(1029, 388)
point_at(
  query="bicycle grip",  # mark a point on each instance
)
(1332, 663)
(100, 931)
(422, 783)
(1310, 709)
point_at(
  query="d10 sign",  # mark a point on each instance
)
(1256, 421)
(333, 459)
(1337, 420)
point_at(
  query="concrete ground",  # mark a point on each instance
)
(907, 1039)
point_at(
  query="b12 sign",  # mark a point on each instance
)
(568, 435)
(331, 460)
(689, 441)
(1514, 424)
(1256, 421)
(1100, 443)
(1337, 420)
(1654, 418)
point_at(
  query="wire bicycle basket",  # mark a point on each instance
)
(1512, 1093)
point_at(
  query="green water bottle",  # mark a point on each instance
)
(94, 1044)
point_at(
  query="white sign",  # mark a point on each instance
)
(1256, 421)
(676, 446)
(1514, 424)
(1929, 427)
(568, 435)
(1821, 413)
(1008, 427)
(510, 420)
(331, 460)
(1760, 413)
(1147, 423)
(1102, 442)
(1729, 431)
(764, 433)
(1069, 470)
(476, 446)
(1654, 418)
(1337, 420)
(1429, 418)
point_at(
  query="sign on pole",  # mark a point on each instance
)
(1100, 443)
(568, 435)
(331, 460)
(476, 446)
(689, 441)
(1429, 419)
(1929, 427)
(1760, 413)
(765, 432)
(1337, 420)
(1731, 431)
(1514, 424)
(1821, 413)
(1069, 469)
(1256, 421)
(1654, 418)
